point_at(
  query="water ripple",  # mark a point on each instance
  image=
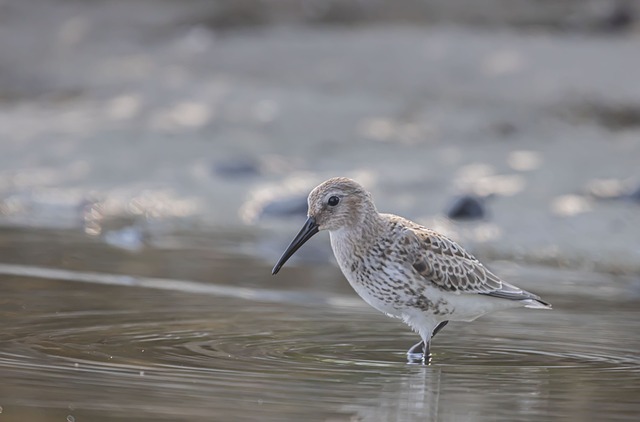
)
(143, 350)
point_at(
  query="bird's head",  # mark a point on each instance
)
(333, 205)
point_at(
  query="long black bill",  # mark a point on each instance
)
(308, 230)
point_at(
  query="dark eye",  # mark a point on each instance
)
(333, 201)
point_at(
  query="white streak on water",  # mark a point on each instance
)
(185, 286)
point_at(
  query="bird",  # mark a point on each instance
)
(401, 268)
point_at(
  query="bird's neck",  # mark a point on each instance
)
(357, 236)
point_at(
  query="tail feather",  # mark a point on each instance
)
(511, 292)
(536, 304)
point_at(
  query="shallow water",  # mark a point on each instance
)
(202, 333)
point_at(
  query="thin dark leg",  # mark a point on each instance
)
(420, 352)
(426, 354)
(417, 353)
(438, 328)
(417, 349)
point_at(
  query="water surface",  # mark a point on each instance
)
(196, 331)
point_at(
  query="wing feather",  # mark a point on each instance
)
(446, 264)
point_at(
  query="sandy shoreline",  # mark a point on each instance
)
(189, 127)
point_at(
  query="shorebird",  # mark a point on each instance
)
(401, 268)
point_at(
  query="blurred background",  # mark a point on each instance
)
(158, 143)
(219, 115)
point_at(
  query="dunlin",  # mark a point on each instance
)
(401, 268)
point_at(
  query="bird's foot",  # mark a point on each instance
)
(419, 354)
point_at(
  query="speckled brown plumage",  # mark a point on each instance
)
(401, 268)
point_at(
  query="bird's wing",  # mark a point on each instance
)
(444, 263)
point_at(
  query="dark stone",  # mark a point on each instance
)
(620, 18)
(615, 117)
(230, 14)
(293, 206)
(634, 195)
(466, 207)
(505, 129)
(237, 167)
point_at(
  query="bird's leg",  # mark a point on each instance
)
(417, 349)
(416, 353)
(438, 328)
(420, 352)
(425, 359)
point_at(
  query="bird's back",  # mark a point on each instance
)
(402, 264)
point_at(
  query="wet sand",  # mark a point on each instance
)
(164, 121)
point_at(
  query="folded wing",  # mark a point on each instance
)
(444, 263)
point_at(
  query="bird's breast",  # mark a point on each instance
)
(385, 284)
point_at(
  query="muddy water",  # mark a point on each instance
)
(190, 330)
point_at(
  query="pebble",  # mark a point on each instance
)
(466, 207)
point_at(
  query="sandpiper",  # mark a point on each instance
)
(401, 268)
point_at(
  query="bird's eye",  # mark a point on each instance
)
(333, 201)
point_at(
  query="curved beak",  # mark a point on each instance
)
(306, 232)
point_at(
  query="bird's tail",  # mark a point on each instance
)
(536, 304)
